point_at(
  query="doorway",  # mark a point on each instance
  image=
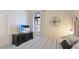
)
(37, 23)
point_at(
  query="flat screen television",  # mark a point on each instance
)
(24, 28)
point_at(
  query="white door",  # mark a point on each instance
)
(3, 30)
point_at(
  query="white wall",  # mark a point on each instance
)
(4, 40)
(16, 18)
(9, 24)
(64, 27)
(56, 32)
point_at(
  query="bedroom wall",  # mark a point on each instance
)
(4, 40)
(64, 27)
(9, 22)
(16, 18)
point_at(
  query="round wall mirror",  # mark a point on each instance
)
(54, 21)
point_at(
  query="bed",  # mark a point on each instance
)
(72, 40)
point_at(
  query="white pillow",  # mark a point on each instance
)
(72, 39)
(76, 46)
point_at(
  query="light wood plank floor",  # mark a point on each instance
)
(39, 43)
(36, 43)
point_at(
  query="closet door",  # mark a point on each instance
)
(3, 30)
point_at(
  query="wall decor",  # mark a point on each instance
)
(54, 21)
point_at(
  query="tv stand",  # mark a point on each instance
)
(20, 38)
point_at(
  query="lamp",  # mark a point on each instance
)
(71, 31)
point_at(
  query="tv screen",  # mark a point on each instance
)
(24, 28)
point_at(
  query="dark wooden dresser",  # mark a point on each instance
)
(20, 38)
